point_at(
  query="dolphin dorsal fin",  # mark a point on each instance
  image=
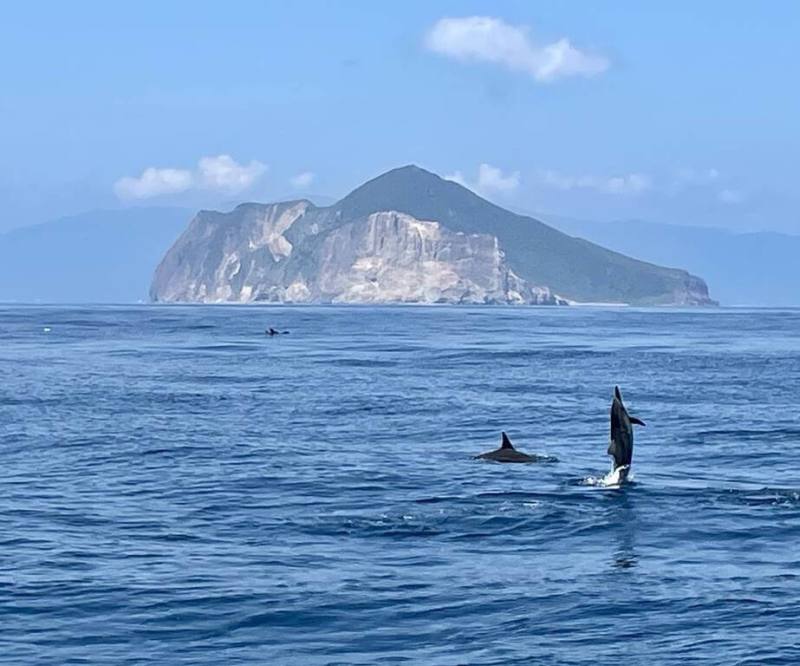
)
(506, 443)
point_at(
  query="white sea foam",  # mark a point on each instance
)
(610, 480)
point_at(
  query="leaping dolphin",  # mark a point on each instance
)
(508, 454)
(621, 445)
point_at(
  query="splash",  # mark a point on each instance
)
(616, 478)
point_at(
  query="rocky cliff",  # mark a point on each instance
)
(256, 253)
(407, 236)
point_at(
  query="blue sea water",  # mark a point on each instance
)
(178, 488)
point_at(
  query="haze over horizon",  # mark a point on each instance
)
(677, 114)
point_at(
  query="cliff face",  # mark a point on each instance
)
(295, 253)
(407, 236)
(228, 257)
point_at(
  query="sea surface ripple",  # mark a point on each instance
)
(179, 488)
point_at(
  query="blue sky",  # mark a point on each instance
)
(678, 112)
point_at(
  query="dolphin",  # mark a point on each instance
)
(621, 445)
(508, 454)
(271, 331)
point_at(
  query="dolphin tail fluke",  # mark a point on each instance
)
(633, 419)
(506, 443)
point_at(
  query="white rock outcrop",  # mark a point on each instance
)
(278, 253)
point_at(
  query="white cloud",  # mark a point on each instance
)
(710, 181)
(489, 39)
(224, 173)
(303, 180)
(632, 183)
(695, 177)
(220, 173)
(731, 196)
(154, 182)
(492, 179)
(457, 177)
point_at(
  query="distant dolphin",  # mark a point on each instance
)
(271, 331)
(621, 445)
(508, 454)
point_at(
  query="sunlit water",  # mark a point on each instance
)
(179, 488)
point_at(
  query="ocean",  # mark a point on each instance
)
(179, 488)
